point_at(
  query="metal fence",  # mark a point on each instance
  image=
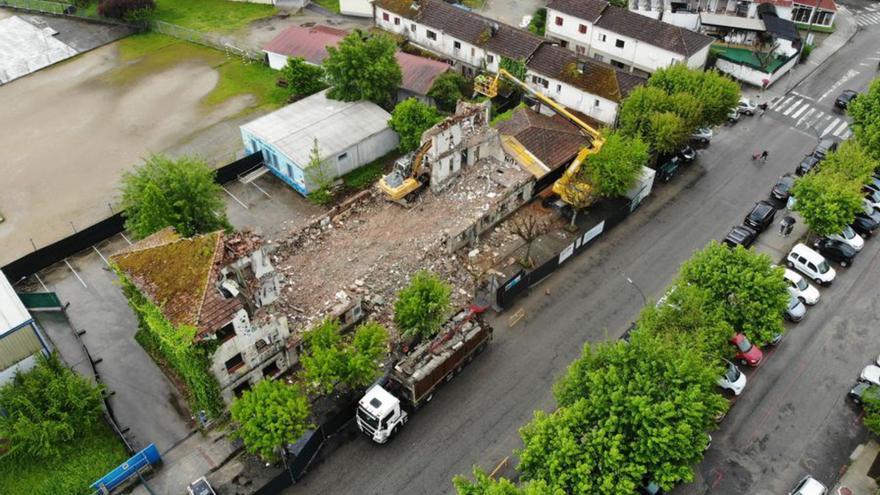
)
(222, 43)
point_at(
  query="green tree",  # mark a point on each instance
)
(363, 67)
(618, 164)
(514, 66)
(270, 416)
(851, 161)
(637, 108)
(688, 107)
(302, 78)
(627, 412)
(871, 403)
(484, 485)
(747, 289)
(47, 407)
(410, 119)
(538, 22)
(423, 306)
(827, 201)
(448, 89)
(667, 132)
(865, 112)
(330, 360)
(318, 177)
(179, 193)
(717, 92)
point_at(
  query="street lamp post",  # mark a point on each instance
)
(641, 293)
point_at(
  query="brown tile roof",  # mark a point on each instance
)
(588, 10)
(553, 140)
(513, 43)
(309, 43)
(588, 75)
(657, 33)
(629, 81)
(419, 72)
(178, 275)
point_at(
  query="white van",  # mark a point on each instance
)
(811, 264)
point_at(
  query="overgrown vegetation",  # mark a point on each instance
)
(423, 306)
(410, 119)
(211, 15)
(301, 78)
(318, 178)
(539, 21)
(448, 89)
(129, 10)
(617, 166)
(363, 67)
(366, 176)
(332, 361)
(871, 403)
(270, 416)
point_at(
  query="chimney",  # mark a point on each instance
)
(494, 28)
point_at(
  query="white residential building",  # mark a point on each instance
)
(686, 13)
(624, 39)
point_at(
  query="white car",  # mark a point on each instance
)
(746, 106)
(871, 374)
(733, 115)
(811, 264)
(809, 486)
(850, 238)
(703, 135)
(800, 288)
(733, 379)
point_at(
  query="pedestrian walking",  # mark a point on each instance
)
(764, 155)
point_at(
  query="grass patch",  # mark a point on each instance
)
(152, 53)
(474, 4)
(331, 5)
(211, 15)
(363, 177)
(80, 464)
(815, 28)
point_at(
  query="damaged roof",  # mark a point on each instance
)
(553, 140)
(178, 275)
(591, 76)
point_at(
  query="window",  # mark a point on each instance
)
(271, 370)
(342, 157)
(558, 88)
(582, 29)
(598, 57)
(617, 64)
(226, 333)
(431, 35)
(602, 38)
(563, 43)
(619, 43)
(473, 52)
(490, 58)
(397, 21)
(234, 363)
(456, 45)
(412, 27)
(558, 21)
(541, 81)
(596, 103)
(384, 16)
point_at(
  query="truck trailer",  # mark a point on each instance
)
(412, 381)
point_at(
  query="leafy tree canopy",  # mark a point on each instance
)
(636, 109)
(448, 89)
(270, 416)
(618, 164)
(423, 306)
(410, 119)
(667, 132)
(851, 161)
(330, 360)
(363, 67)
(484, 485)
(748, 291)
(172, 192)
(303, 78)
(827, 201)
(46, 408)
(865, 112)
(871, 403)
(717, 93)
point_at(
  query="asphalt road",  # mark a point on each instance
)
(792, 417)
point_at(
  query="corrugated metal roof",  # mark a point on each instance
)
(13, 314)
(732, 21)
(337, 125)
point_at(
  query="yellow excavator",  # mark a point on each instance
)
(407, 177)
(572, 191)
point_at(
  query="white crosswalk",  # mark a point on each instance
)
(870, 16)
(803, 114)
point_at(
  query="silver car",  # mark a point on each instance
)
(703, 135)
(796, 310)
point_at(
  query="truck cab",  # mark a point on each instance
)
(379, 414)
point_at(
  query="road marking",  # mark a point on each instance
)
(46, 289)
(101, 255)
(781, 102)
(840, 129)
(791, 108)
(804, 118)
(796, 114)
(802, 96)
(261, 189)
(864, 64)
(126, 238)
(843, 79)
(236, 199)
(76, 274)
(828, 129)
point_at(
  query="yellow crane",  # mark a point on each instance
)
(567, 187)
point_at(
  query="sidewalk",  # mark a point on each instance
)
(856, 481)
(194, 457)
(846, 28)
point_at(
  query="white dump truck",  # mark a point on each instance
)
(412, 381)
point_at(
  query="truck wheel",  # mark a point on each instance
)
(481, 348)
(449, 376)
(428, 398)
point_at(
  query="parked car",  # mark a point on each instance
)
(811, 264)
(746, 106)
(687, 154)
(761, 216)
(746, 353)
(703, 135)
(873, 197)
(200, 487)
(808, 486)
(733, 379)
(733, 115)
(808, 163)
(850, 237)
(835, 250)
(866, 221)
(845, 99)
(796, 310)
(858, 391)
(668, 168)
(782, 189)
(801, 289)
(824, 147)
(871, 374)
(740, 235)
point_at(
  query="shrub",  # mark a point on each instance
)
(120, 9)
(423, 306)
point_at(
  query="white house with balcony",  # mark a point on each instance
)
(686, 13)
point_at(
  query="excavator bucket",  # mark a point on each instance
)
(485, 84)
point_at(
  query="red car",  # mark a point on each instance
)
(746, 353)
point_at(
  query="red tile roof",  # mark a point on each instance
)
(419, 72)
(828, 5)
(309, 43)
(553, 140)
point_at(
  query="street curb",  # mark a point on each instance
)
(808, 74)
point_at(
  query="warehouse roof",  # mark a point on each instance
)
(337, 125)
(13, 314)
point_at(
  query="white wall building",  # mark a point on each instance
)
(624, 39)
